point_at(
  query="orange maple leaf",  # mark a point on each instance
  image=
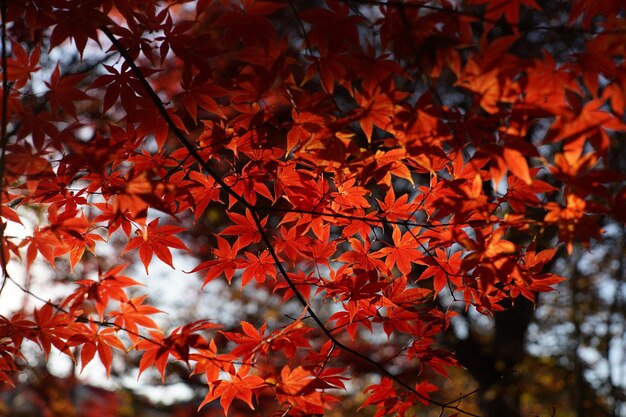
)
(156, 240)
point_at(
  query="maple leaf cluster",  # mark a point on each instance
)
(382, 164)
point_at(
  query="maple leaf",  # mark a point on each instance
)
(321, 249)
(249, 188)
(53, 328)
(380, 393)
(258, 267)
(132, 195)
(250, 343)
(545, 86)
(42, 241)
(17, 328)
(156, 352)
(21, 65)
(403, 252)
(9, 214)
(377, 109)
(306, 126)
(397, 209)
(354, 315)
(349, 195)
(157, 348)
(294, 381)
(114, 218)
(133, 313)
(151, 122)
(572, 221)
(96, 340)
(385, 164)
(225, 263)
(590, 123)
(240, 385)
(484, 83)
(156, 240)
(435, 359)
(210, 363)
(201, 94)
(398, 295)
(425, 388)
(122, 84)
(200, 190)
(398, 320)
(8, 366)
(110, 285)
(330, 378)
(67, 19)
(361, 255)
(289, 339)
(245, 228)
(63, 92)
(517, 164)
(491, 246)
(442, 268)
(72, 233)
(520, 195)
(302, 190)
(23, 160)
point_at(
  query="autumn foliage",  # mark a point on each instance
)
(381, 165)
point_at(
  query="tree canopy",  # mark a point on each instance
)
(356, 178)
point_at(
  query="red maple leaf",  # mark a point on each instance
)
(403, 252)
(110, 285)
(94, 340)
(239, 384)
(63, 91)
(21, 65)
(133, 313)
(157, 240)
(226, 262)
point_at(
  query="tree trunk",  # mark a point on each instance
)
(491, 360)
